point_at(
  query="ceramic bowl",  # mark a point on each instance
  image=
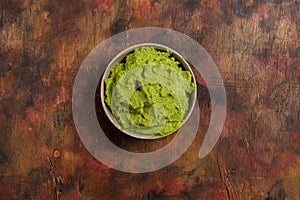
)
(119, 58)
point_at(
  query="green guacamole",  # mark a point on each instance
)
(149, 92)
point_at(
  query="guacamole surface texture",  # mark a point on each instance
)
(149, 93)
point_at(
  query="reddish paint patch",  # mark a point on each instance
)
(281, 62)
(142, 9)
(172, 185)
(66, 26)
(25, 3)
(6, 191)
(104, 6)
(233, 120)
(252, 165)
(31, 114)
(295, 141)
(60, 95)
(215, 4)
(284, 67)
(287, 160)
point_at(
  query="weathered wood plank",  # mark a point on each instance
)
(255, 44)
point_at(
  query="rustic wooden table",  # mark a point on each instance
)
(256, 46)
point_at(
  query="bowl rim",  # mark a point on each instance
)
(119, 57)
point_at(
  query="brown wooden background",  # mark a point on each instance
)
(255, 44)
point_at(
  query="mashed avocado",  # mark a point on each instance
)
(149, 92)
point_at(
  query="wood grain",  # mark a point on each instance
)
(256, 46)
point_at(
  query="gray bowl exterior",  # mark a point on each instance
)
(117, 59)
